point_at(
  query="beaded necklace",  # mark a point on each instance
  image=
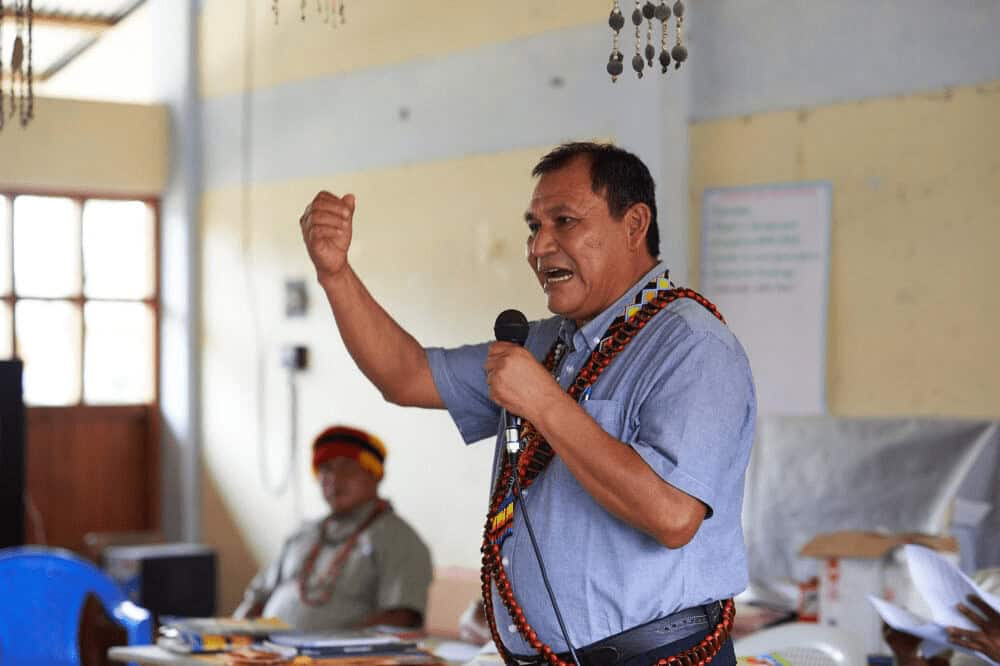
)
(538, 453)
(327, 582)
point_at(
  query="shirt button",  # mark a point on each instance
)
(506, 562)
(511, 628)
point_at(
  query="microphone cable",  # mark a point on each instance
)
(538, 556)
(512, 326)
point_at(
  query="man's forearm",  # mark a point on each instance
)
(395, 617)
(390, 357)
(249, 608)
(617, 477)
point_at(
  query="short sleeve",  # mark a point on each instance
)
(262, 586)
(461, 383)
(404, 570)
(694, 423)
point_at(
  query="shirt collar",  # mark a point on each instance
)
(339, 527)
(588, 336)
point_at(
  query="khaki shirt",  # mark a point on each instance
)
(389, 567)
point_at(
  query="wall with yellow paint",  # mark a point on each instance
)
(377, 33)
(914, 310)
(437, 116)
(77, 146)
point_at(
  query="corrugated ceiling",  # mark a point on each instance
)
(63, 29)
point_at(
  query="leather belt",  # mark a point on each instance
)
(642, 639)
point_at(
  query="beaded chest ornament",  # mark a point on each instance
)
(537, 454)
(308, 594)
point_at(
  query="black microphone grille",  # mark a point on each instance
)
(511, 326)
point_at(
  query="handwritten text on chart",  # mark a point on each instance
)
(754, 255)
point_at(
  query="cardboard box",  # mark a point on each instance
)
(855, 564)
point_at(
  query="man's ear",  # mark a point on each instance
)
(637, 219)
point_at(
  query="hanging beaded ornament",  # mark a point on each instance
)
(649, 12)
(679, 52)
(617, 22)
(637, 62)
(538, 453)
(21, 91)
(663, 16)
(2, 13)
(332, 11)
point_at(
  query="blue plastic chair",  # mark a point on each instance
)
(42, 591)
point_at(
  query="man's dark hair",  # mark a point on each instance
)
(616, 174)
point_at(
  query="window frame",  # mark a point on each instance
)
(80, 197)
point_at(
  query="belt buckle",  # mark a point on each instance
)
(600, 656)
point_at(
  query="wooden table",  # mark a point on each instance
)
(153, 655)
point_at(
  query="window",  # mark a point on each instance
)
(78, 298)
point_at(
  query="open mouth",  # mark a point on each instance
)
(551, 276)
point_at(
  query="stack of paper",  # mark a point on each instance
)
(211, 634)
(943, 587)
(357, 645)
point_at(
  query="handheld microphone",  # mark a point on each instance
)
(511, 326)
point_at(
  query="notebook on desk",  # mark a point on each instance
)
(339, 643)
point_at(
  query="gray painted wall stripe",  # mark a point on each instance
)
(767, 55)
(783, 54)
(491, 99)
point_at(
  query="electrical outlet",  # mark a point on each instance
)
(295, 357)
(296, 298)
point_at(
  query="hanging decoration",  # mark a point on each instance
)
(19, 72)
(332, 11)
(651, 13)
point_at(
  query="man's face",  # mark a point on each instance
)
(346, 484)
(580, 254)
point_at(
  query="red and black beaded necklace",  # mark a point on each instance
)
(538, 453)
(327, 582)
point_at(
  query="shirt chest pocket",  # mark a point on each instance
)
(609, 414)
(359, 578)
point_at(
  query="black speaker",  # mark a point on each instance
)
(166, 578)
(11, 454)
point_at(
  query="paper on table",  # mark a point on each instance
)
(324, 639)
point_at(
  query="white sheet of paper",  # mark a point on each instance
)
(942, 585)
(934, 635)
(903, 620)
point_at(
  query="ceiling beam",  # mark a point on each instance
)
(96, 24)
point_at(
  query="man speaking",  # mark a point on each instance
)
(638, 410)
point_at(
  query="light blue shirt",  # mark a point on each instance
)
(681, 395)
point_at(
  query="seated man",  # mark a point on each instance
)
(361, 565)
